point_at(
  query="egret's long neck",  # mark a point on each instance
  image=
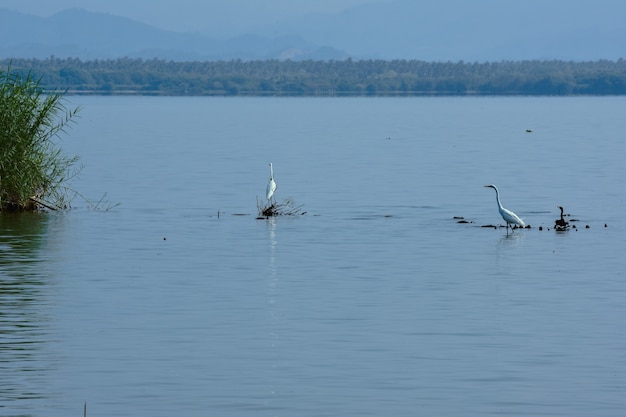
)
(498, 198)
(271, 172)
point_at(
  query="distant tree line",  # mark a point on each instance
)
(326, 78)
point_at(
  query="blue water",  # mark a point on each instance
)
(178, 301)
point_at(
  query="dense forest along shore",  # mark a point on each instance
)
(326, 78)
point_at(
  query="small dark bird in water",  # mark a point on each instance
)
(561, 224)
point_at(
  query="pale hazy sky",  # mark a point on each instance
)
(420, 29)
(212, 17)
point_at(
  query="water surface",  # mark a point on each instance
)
(375, 302)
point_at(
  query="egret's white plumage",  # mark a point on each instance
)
(508, 216)
(271, 185)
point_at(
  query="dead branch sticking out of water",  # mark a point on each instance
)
(100, 205)
(273, 209)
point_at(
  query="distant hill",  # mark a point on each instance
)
(435, 31)
(81, 34)
(477, 30)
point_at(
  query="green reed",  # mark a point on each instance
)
(34, 172)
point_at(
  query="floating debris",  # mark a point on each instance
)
(461, 220)
(273, 209)
(494, 226)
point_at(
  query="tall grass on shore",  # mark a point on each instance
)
(34, 172)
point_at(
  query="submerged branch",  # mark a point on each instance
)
(49, 206)
(273, 209)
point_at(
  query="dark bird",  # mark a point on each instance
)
(561, 224)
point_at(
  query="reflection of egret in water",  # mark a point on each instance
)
(505, 244)
(272, 284)
(273, 279)
(506, 254)
(25, 361)
(509, 240)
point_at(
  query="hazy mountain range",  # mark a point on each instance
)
(445, 30)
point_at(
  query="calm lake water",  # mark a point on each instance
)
(376, 302)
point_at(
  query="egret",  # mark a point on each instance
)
(561, 224)
(271, 185)
(508, 216)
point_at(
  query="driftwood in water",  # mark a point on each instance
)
(273, 209)
(43, 203)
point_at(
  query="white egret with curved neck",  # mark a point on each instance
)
(508, 216)
(271, 185)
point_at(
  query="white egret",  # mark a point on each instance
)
(271, 185)
(508, 216)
